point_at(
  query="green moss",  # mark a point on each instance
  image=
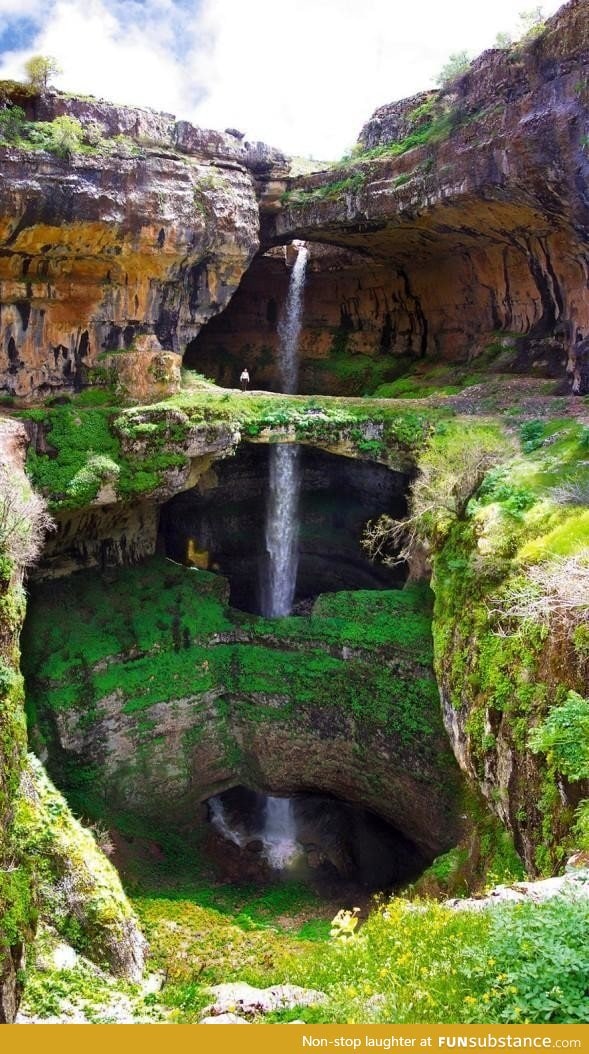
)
(160, 618)
(498, 670)
(80, 892)
(134, 450)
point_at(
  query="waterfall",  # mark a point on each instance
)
(282, 530)
(282, 526)
(289, 327)
(279, 833)
(219, 820)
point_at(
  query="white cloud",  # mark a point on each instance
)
(306, 74)
(135, 64)
(301, 74)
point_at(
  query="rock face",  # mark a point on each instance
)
(473, 210)
(348, 345)
(219, 524)
(17, 911)
(81, 895)
(179, 698)
(148, 237)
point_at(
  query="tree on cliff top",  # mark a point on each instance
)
(457, 64)
(39, 68)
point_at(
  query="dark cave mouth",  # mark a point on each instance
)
(219, 525)
(334, 847)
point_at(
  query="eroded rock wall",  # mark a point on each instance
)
(164, 696)
(127, 249)
(472, 204)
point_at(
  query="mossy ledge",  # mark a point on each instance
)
(161, 695)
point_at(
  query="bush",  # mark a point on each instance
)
(23, 518)
(66, 136)
(11, 123)
(544, 955)
(564, 738)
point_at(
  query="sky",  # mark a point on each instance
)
(302, 75)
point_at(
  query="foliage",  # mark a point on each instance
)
(40, 69)
(532, 435)
(24, 519)
(325, 191)
(531, 22)
(66, 136)
(12, 120)
(542, 955)
(457, 64)
(511, 554)
(79, 890)
(503, 40)
(451, 468)
(564, 737)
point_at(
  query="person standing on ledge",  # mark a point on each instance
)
(244, 379)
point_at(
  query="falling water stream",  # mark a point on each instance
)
(282, 516)
(278, 834)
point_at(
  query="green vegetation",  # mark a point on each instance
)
(39, 69)
(145, 635)
(326, 191)
(22, 522)
(133, 449)
(64, 136)
(503, 581)
(457, 64)
(80, 893)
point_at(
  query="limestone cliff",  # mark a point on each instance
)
(460, 215)
(127, 246)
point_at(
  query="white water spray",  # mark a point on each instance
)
(282, 526)
(219, 820)
(279, 833)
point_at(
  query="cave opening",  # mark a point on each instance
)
(219, 524)
(336, 847)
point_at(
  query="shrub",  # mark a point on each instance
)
(11, 123)
(23, 518)
(564, 738)
(66, 136)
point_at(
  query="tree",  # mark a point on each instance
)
(66, 136)
(503, 40)
(39, 68)
(451, 469)
(531, 22)
(458, 62)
